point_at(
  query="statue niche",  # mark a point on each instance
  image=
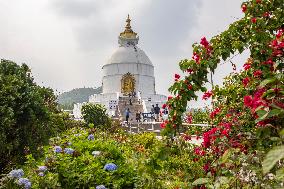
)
(127, 84)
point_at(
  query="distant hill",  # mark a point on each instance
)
(79, 95)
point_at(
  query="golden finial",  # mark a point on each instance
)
(128, 32)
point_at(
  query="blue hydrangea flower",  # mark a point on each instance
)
(42, 168)
(68, 151)
(100, 187)
(41, 174)
(17, 173)
(57, 149)
(91, 137)
(25, 182)
(96, 153)
(110, 167)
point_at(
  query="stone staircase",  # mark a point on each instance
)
(124, 103)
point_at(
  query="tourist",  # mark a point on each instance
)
(133, 94)
(138, 116)
(130, 102)
(156, 112)
(152, 112)
(127, 114)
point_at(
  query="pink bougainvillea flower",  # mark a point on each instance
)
(177, 76)
(246, 81)
(257, 73)
(244, 8)
(196, 57)
(189, 118)
(164, 106)
(206, 167)
(215, 112)
(248, 101)
(199, 152)
(207, 95)
(247, 66)
(189, 87)
(204, 42)
(266, 14)
(189, 70)
(279, 33)
(170, 97)
(253, 20)
(164, 124)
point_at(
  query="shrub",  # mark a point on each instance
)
(28, 115)
(96, 114)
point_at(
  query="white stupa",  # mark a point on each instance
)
(128, 70)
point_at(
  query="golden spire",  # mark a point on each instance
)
(128, 32)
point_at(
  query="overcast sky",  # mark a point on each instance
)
(66, 42)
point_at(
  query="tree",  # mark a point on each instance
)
(96, 114)
(26, 113)
(248, 111)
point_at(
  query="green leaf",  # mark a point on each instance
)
(282, 132)
(273, 112)
(225, 156)
(261, 113)
(201, 181)
(266, 81)
(271, 158)
(280, 174)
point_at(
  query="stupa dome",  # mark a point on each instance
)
(129, 54)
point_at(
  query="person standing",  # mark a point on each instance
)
(127, 114)
(152, 112)
(138, 117)
(157, 111)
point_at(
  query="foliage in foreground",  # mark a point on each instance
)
(84, 158)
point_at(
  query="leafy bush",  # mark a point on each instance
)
(96, 114)
(28, 114)
(84, 158)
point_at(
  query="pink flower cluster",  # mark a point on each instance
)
(207, 95)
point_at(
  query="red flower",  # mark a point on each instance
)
(258, 1)
(189, 118)
(199, 152)
(215, 112)
(186, 137)
(246, 81)
(266, 14)
(248, 101)
(196, 57)
(207, 95)
(206, 167)
(279, 33)
(164, 124)
(204, 42)
(169, 98)
(189, 87)
(247, 66)
(244, 8)
(225, 133)
(189, 70)
(177, 76)
(164, 106)
(253, 20)
(257, 73)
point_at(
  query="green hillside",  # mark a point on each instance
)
(79, 95)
